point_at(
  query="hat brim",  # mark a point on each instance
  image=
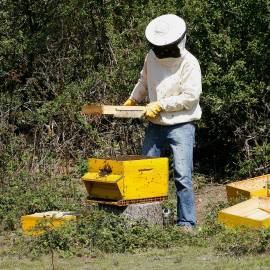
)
(175, 28)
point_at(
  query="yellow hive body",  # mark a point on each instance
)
(37, 223)
(254, 213)
(127, 178)
(250, 188)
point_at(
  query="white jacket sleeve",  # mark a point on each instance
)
(140, 90)
(190, 90)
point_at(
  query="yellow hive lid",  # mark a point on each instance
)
(51, 214)
(251, 184)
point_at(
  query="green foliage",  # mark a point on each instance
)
(56, 56)
(99, 230)
(59, 55)
(258, 159)
(243, 241)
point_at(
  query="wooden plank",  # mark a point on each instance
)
(116, 111)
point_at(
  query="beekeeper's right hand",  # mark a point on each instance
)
(153, 109)
(130, 102)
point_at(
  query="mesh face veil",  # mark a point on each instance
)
(168, 51)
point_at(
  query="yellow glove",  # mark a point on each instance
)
(153, 109)
(131, 102)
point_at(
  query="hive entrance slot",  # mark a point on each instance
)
(105, 170)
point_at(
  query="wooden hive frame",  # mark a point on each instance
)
(116, 111)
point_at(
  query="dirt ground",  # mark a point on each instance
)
(207, 195)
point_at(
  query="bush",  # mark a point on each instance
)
(59, 56)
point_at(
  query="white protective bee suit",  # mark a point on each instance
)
(175, 83)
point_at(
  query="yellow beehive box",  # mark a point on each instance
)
(254, 213)
(246, 189)
(127, 178)
(36, 224)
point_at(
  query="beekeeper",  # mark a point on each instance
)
(171, 81)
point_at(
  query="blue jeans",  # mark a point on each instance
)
(180, 138)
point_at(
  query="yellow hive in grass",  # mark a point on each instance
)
(254, 213)
(36, 224)
(246, 189)
(127, 178)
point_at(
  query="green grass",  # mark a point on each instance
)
(175, 258)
